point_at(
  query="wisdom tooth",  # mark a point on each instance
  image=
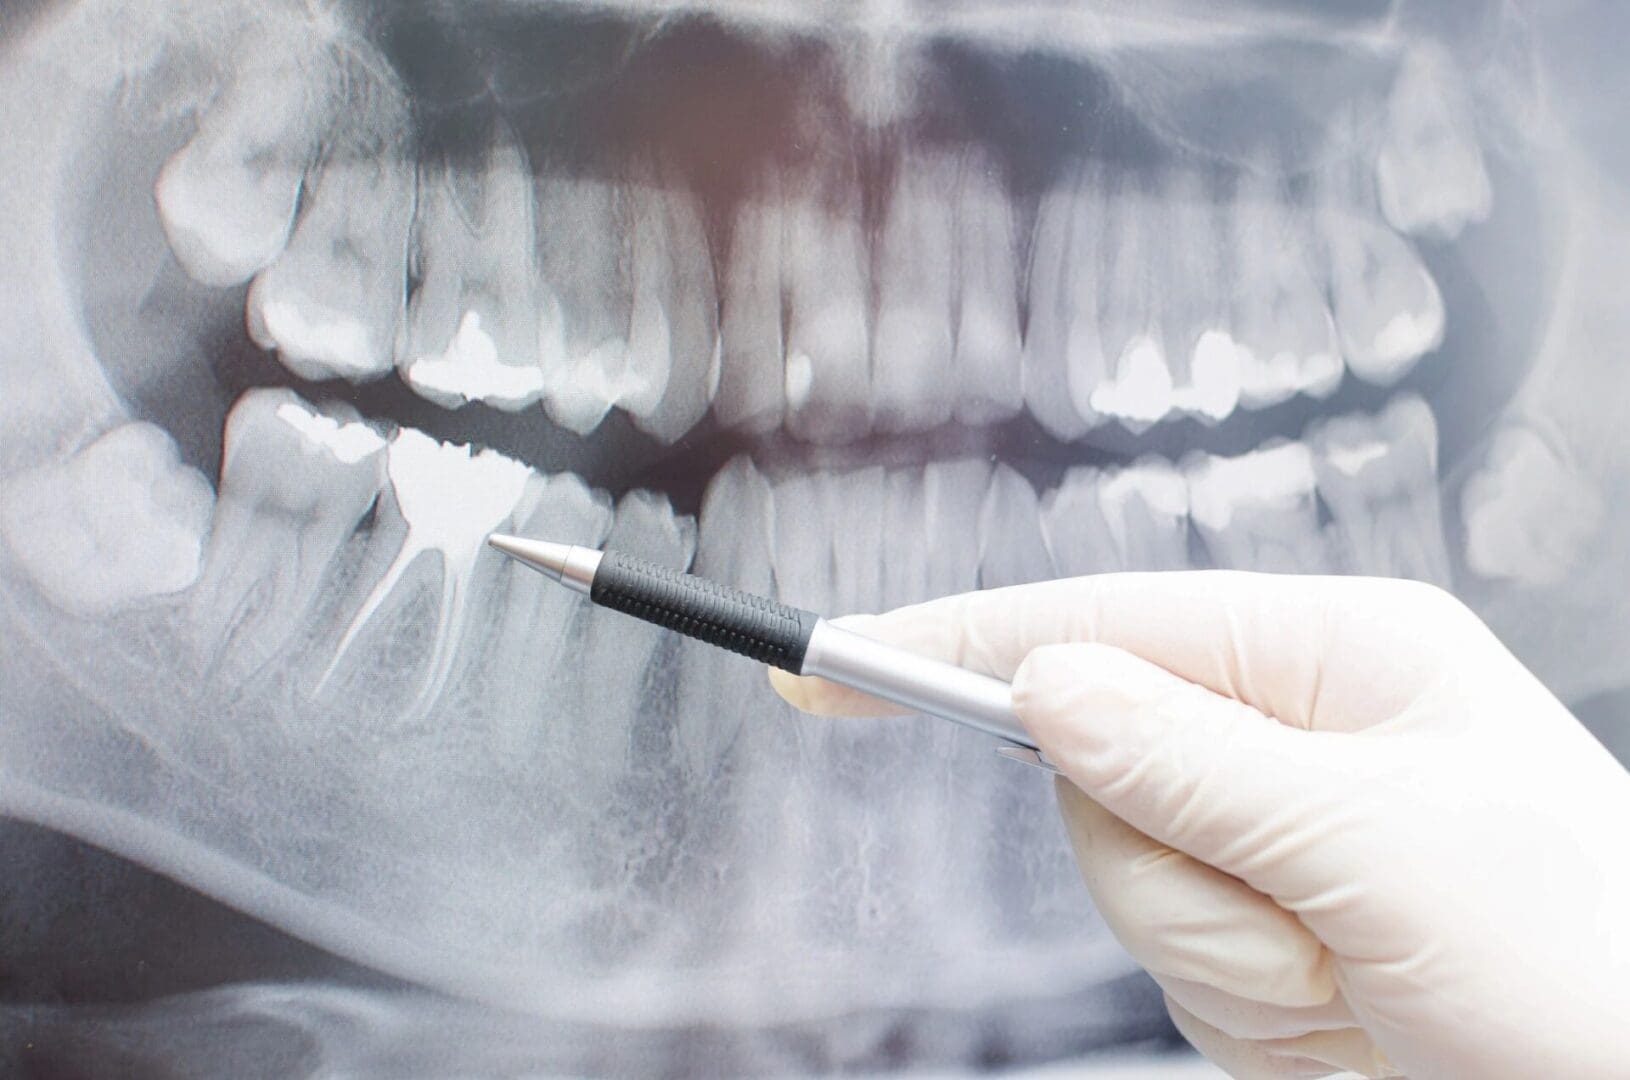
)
(1146, 510)
(1286, 337)
(1388, 310)
(1530, 515)
(227, 199)
(471, 332)
(1379, 477)
(828, 363)
(1429, 172)
(450, 498)
(331, 303)
(1258, 511)
(912, 388)
(752, 379)
(988, 345)
(119, 522)
(1073, 526)
(295, 483)
(1060, 360)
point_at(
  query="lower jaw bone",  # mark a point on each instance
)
(295, 483)
(120, 522)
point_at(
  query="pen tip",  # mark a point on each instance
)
(542, 555)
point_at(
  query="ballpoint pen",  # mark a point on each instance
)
(787, 637)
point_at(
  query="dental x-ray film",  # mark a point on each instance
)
(851, 303)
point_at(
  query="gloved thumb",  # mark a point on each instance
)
(1195, 770)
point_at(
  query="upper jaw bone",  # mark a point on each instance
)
(295, 483)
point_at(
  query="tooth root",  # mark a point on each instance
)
(674, 332)
(988, 344)
(912, 388)
(1073, 527)
(1378, 475)
(1430, 176)
(1138, 390)
(295, 483)
(450, 498)
(471, 332)
(752, 377)
(120, 522)
(1059, 357)
(1146, 511)
(1530, 514)
(332, 301)
(1012, 550)
(828, 363)
(1258, 511)
(227, 199)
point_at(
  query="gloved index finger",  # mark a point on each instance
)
(1333, 653)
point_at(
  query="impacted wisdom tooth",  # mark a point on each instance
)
(1429, 171)
(119, 522)
(1530, 515)
(295, 483)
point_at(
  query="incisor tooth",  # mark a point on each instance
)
(988, 344)
(1059, 357)
(912, 388)
(828, 362)
(752, 377)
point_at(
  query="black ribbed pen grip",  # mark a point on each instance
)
(754, 626)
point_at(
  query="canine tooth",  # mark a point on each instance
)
(1286, 337)
(752, 376)
(1258, 511)
(295, 483)
(120, 521)
(1060, 332)
(227, 199)
(450, 498)
(734, 543)
(614, 651)
(331, 302)
(912, 388)
(471, 332)
(1073, 526)
(1388, 310)
(1378, 475)
(1138, 388)
(1012, 550)
(1146, 509)
(1429, 173)
(674, 332)
(828, 364)
(1530, 514)
(988, 344)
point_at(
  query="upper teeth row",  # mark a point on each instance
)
(1128, 302)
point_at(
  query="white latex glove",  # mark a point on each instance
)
(1337, 821)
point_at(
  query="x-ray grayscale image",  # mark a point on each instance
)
(852, 303)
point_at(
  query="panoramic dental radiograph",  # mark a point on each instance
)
(852, 303)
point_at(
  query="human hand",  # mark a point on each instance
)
(1334, 818)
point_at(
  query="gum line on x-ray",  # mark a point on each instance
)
(285, 675)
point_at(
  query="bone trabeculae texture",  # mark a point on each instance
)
(754, 626)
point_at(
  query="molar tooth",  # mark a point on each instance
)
(471, 332)
(331, 302)
(119, 522)
(828, 362)
(988, 345)
(450, 497)
(1287, 337)
(912, 388)
(295, 483)
(1258, 511)
(1061, 361)
(1530, 514)
(227, 199)
(1073, 526)
(1429, 172)
(1378, 475)
(751, 396)
(1146, 510)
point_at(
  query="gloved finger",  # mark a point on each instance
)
(1320, 1054)
(1181, 918)
(1302, 649)
(1196, 771)
(1244, 1018)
